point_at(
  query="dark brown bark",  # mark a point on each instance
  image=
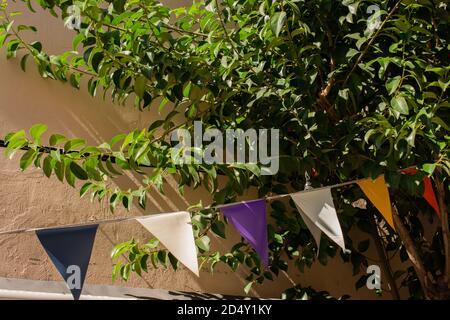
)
(384, 260)
(412, 253)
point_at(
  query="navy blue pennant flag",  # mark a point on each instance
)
(70, 251)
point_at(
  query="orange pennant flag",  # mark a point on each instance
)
(377, 192)
(429, 196)
(428, 192)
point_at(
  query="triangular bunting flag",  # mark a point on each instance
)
(315, 230)
(377, 192)
(249, 218)
(429, 196)
(428, 192)
(70, 251)
(174, 231)
(318, 212)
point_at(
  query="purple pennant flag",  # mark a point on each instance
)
(249, 218)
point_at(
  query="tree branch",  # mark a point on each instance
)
(412, 252)
(384, 260)
(222, 23)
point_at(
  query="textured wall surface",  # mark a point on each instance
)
(29, 199)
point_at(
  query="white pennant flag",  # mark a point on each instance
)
(315, 231)
(174, 231)
(317, 210)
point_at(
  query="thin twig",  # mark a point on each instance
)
(222, 23)
(369, 44)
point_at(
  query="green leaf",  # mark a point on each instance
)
(143, 262)
(136, 267)
(78, 171)
(56, 139)
(268, 275)
(70, 177)
(361, 281)
(142, 150)
(139, 86)
(14, 135)
(248, 287)
(218, 227)
(116, 139)
(23, 62)
(152, 243)
(48, 166)
(59, 170)
(76, 40)
(113, 201)
(121, 249)
(400, 105)
(119, 5)
(75, 80)
(92, 87)
(156, 124)
(162, 257)
(36, 45)
(73, 144)
(85, 188)
(3, 37)
(14, 145)
(127, 200)
(203, 243)
(125, 272)
(30, 7)
(173, 261)
(11, 48)
(27, 159)
(111, 168)
(37, 131)
(37, 160)
(392, 84)
(429, 168)
(116, 271)
(96, 60)
(56, 155)
(440, 122)
(277, 21)
(162, 104)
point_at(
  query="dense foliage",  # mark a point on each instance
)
(357, 89)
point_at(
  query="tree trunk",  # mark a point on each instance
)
(412, 253)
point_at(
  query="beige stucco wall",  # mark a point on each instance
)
(29, 199)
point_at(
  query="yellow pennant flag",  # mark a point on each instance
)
(377, 192)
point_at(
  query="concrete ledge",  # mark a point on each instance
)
(21, 289)
(53, 290)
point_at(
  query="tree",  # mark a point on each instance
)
(357, 89)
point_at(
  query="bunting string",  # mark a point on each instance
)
(130, 218)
